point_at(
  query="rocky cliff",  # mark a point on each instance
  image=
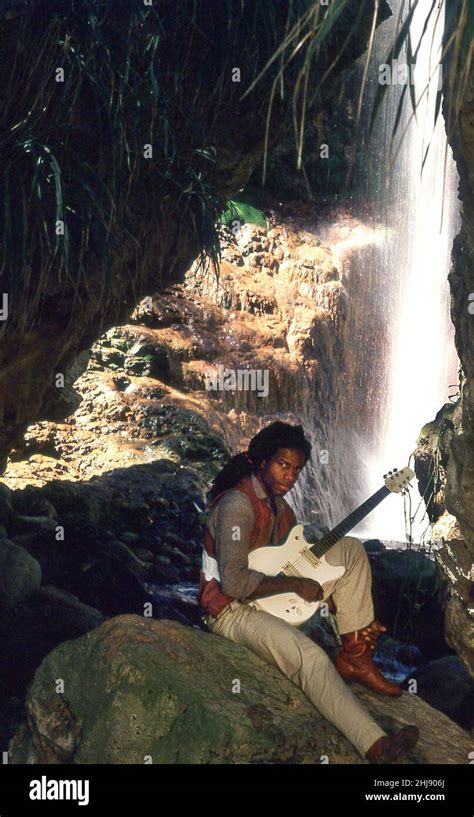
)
(446, 446)
(270, 336)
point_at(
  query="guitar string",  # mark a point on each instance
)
(319, 548)
(331, 538)
(303, 562)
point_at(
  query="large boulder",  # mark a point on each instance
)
(19, 574)
(33, 627)
(137, 690)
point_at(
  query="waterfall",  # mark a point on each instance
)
(407, 270)
(400, 358)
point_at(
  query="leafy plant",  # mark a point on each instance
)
(242, 211)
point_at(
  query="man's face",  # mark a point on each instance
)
(281, 471)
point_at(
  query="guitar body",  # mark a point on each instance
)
(293, 558)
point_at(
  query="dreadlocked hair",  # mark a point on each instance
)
(262, 447)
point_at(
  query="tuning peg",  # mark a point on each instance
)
(385, 476)
(395, 470)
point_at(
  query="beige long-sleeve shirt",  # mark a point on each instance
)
(230, 525)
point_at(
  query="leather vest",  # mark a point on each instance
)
(211, 598)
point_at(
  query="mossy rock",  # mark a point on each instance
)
(137, 690)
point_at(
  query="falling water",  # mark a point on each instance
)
(399, 356)
(407, 270)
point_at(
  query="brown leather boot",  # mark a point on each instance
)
(393, 748)
(354, 661)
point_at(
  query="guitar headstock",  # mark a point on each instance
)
(398, 481)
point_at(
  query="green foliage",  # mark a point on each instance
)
(240, 210)
(73, 150)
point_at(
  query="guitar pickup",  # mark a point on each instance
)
(310, 557)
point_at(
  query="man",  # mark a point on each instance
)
(248, 510)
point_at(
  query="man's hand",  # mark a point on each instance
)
(308, 589)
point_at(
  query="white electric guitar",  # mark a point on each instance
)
(294, 556)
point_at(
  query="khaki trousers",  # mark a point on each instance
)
(300, 659)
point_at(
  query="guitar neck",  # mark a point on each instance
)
(323, 545)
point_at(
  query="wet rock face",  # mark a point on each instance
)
(140, 689)
(302, 347)
(432, 456)
(159, 385)
(436, 470)
(457, 556)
